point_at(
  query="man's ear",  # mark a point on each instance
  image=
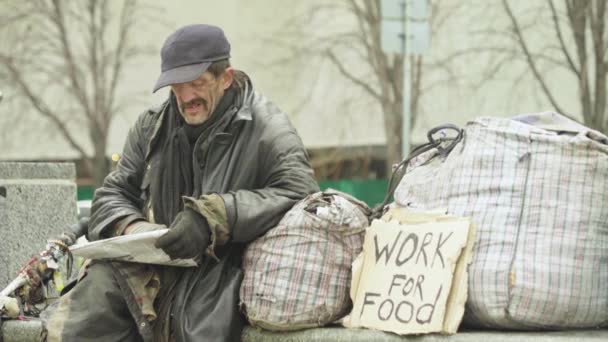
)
(228, 77)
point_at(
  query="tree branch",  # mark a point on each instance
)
(93, 64)
(74, 73)
(560, 38)
(38, 103)
(369, 33)
(597, 28)
(124, 30)
(530, 60)
(578, 23)
(332, 57)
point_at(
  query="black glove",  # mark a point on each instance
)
(188, 236)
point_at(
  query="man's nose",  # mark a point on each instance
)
(185, 93)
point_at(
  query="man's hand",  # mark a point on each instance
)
(142, 227)
(188, 236)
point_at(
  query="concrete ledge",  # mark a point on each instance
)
(24, 170)
(31, 331)
(364, 335)
(21, 331)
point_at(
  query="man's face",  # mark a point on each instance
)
(197, 99)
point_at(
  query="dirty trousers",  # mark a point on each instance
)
(99, 314)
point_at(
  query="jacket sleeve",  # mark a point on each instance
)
(287, 178)
(119, 199)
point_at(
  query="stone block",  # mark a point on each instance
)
(37, 202)
(32, 331)
(337, 334)
(22, 331)
(19, 170)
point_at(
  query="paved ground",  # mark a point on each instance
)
(30, 331)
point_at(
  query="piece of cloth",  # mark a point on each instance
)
(188, 236)
(251, 168)
(213, 209)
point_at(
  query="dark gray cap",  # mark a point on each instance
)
(189, 51)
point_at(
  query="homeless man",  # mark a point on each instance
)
(219, 165)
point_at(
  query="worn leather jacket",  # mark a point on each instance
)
(255, 161)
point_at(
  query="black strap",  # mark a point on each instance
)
(433, 143)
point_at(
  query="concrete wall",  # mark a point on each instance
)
(37, 202)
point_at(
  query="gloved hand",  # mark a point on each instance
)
(188, 236)
(142, 227)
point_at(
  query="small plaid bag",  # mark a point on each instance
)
(537, 188)
(298, 274)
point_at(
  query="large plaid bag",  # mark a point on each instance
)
(537, 189)
(298, 274)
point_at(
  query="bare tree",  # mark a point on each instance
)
(66, 58)
(577, 43)
(360, 44)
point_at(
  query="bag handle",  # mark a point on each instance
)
(434, 142)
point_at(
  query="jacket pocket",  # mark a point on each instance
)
(216, 168)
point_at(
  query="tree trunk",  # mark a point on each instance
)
(392, 130)
(100, 165)
(100, 169)
(599, 115)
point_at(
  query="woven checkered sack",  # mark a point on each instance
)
(298, 274)
(537, 189)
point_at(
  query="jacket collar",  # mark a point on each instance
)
(245, 97)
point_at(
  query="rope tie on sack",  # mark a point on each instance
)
(444, 144)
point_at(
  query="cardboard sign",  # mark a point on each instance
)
(411, 276)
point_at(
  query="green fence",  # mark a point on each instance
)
(85, 192)
(369, 191)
